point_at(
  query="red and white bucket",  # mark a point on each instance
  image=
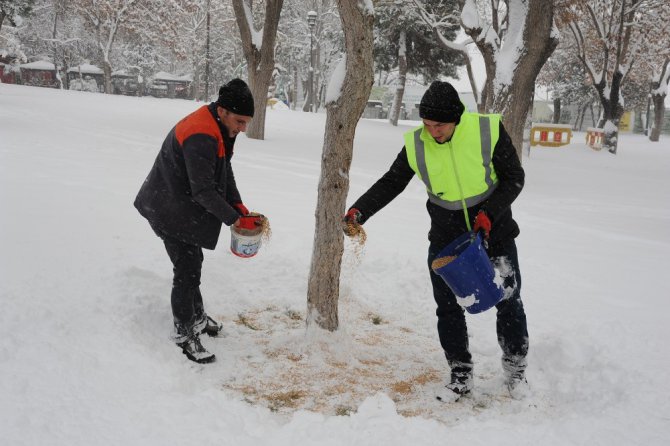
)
(245, 242)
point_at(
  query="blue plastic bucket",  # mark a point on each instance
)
(470, 274)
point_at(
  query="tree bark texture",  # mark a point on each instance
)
(659, 89)
(402, 78)
(260, 61)
(514, 100)
(341, 120)
(659, 116)
(612, 110)
(107, 73)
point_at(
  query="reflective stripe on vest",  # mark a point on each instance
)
(458, 175)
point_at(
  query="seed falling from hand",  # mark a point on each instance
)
(356, 232)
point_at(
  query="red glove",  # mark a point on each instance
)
(249, 222)
(351, 219)
(241, 208)
(482, 224)
(354, 216)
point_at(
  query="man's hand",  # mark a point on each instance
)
(482, 224)
(249, 222)
(241, 208)
(352, 219)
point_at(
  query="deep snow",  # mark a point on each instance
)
(85, 356)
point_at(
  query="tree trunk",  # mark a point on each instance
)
(307, 105)
(579, 123)
(557, 111)
(659, 115)
(342, 117)
(612, 110)
(294, 98)
(659, 90)
(402, 78)
(107, 75)
(260, 61)
(207, 57)
(593, 116)
(514, 100)
(54, 35)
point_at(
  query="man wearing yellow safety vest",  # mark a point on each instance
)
(472, 175)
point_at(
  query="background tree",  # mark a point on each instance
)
(62, 36)
(106, 18)
(259, 52)
(568, 82)
(187, 30)
(403, 40)
(13, 11)
(515, 44)
(348, 93)
(329, 46)
(515, 38)
(10, 9)
(440, 19)
(611, 37)
(293, 53)
(659, 90)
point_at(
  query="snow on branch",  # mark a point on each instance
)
(663, 79)
(470, 15)
(508, 56)
(366, 7)
(429, 19)
(336, 81)
(256, 36)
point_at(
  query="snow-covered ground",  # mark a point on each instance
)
(85, 356)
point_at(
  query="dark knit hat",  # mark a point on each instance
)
(441, 103)
(236, 97)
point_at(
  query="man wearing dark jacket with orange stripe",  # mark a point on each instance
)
(189, 193)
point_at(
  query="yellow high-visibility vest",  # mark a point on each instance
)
(458, 174)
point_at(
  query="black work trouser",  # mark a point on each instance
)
(511, 319)
(187, 305)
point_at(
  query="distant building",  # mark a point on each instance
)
(83, 77)
(374, 110)
(40, 73)
(9, 73)
(125, 83)
(170, 85)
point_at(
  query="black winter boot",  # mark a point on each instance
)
(460, 385)
(211, 327)
(194, 350)
(514, 368)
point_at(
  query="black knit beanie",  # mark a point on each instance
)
(441, 103)
(236, 97)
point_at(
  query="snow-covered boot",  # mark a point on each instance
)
(211, 327)
(515, 377)
(518, 387)
(194, 350)
(460, 385)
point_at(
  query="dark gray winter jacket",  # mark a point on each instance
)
(191, 188)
